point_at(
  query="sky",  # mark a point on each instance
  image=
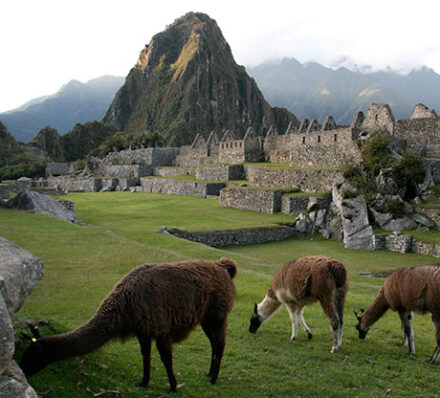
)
(46, 43)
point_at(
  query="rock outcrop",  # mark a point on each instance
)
(41, 204)
(20, 272)
(186, 81)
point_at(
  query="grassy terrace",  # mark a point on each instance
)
(83, 263)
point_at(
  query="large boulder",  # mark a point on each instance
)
(42, 204)
(13, 383)
(352, 208)
(20, 272)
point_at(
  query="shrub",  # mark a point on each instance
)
(394, 206)
(375, 152)
(409, 170)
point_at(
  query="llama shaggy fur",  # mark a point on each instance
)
(304, 281)
(407, 290)
(163, 302)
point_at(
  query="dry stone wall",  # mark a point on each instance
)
(277, 148)
(248, 236)
(421, 134)
(174, 171)
(220, 172)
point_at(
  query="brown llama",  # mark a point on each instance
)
(406, 290)
(163, 302)
(304, 281)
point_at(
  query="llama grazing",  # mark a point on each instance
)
(406, 290)
(162, 302)
(303, 281)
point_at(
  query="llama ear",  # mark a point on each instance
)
(362, 310)
(356, 315)
(255, 308)
(34, 330)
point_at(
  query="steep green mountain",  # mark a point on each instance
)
(15, 161)
(74, 103)
(185, 82)
(314, 91)
(50, 141)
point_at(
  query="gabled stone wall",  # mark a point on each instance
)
(331, 148)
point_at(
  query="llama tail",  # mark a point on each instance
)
(339, 274)
(229, 265)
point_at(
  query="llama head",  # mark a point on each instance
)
(256, 320)
(34, 359)
(361, 327)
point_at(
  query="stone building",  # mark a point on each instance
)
(324, 146)
(235, 150)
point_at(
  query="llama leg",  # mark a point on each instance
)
(405, 317)
(436, 322)
(330, 310)
(163, 344)
(145, 343)
(303, 323)
(339, 305)
(292, 310)
(215, 330)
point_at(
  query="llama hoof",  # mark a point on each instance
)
(333, 350)
(309, 335)
(292, 339)
(143, 384)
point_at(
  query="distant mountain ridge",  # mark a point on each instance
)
(74, 103)
(314, 91)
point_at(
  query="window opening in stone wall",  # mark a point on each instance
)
(319, 138)
(335, 137)
(377, 117)
(240, 144)
(304, 140)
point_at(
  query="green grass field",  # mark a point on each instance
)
(82, 264)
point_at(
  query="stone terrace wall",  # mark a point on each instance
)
(247, 236)
(277, 148)
(70, 184)
(262, 200)
(294, 204)
(220, 172)
(307, 180)
(180, 187)
(330, 148)
(174, 171)
(422, 134)
(126, 171)
(405, 244)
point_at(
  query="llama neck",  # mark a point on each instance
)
(82, 340)
(376, 309)
(267, 307)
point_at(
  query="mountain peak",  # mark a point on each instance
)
(187, 82)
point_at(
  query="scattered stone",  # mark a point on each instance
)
(399, 224)
(385, 182)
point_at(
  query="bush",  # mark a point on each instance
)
(410, 169)
(394, 206)
(375, 152)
